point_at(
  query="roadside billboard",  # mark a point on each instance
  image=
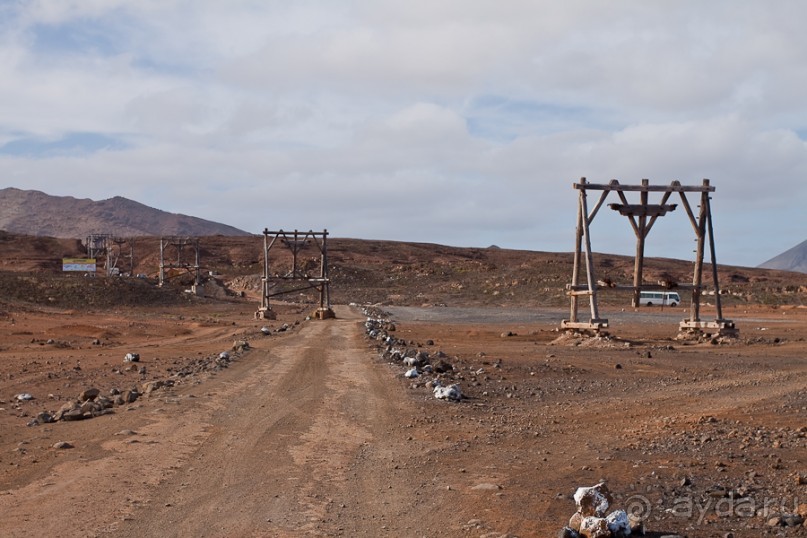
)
(85, 265)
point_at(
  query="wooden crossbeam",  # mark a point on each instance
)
(673, 187)
(640, 210)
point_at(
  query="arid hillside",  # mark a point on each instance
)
(368, 272)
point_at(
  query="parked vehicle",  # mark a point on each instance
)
(651, 298)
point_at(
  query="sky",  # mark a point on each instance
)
(459, 122)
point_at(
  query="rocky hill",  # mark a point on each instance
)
(385, 272)
(35, 213)
(794, 259)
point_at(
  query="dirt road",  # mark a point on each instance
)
(286, 447)
(287, 442)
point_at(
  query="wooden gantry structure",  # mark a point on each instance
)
(110, 249)
(642, 216)
(274, 284)
(97, 245)
(181, 246)
(123, 250)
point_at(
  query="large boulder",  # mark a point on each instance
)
(151, 386)
(88, 394)
(451, 392)
(64, 409)
(74, 414)
(593, 501)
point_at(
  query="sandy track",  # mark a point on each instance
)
(286, 438)
(288, 444)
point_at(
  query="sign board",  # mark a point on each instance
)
(78, 264)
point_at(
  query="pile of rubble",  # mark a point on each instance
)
(417, 363)
(92, 403)
(592, 519)
(211, 363)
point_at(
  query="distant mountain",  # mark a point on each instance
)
(36, 213)
(794, 259)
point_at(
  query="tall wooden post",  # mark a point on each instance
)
(265, 310)
(197, 279)
(641, 235)
(265, 279)
(592, 282)
(162, 262)
(697, 275)
(325, 291)
(718, 300)
(578, 246)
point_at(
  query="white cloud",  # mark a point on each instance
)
(462, 121)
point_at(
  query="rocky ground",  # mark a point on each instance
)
(702, 438)
(317, 424)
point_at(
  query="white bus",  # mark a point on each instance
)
(651, 298)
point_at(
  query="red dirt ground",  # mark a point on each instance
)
(311, 433)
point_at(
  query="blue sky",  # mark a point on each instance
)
(462, 122)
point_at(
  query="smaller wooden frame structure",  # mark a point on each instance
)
(642, 217)
(180, 244)
(97, 245)
(98, 248)
(274, 284)
(119, 254)
(109, 248)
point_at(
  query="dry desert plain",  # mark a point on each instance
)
(310, 431)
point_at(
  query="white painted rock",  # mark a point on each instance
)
(451, 392)
(618, 523)
(593, 501)
(595, 527)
